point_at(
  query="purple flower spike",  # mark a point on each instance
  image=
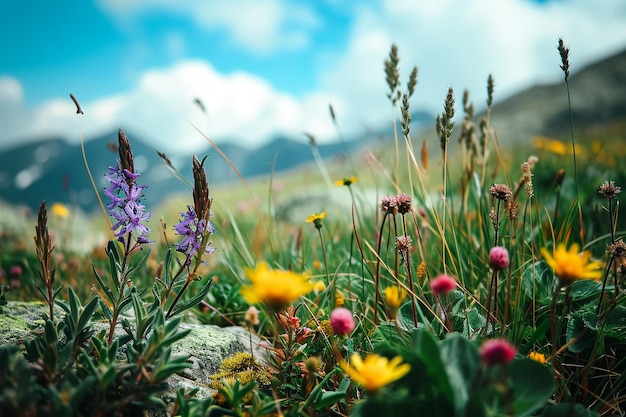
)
(125, 206)
(193, 229)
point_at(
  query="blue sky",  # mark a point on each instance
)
(271, 67)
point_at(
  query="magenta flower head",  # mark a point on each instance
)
(16, 271)
(442, 284)
(497, 351)
(498, 258)
(341, 321)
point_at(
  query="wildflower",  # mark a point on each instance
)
(394, 296)
(389, 205)
(316, 219)
(618, 251)
(442, 284)
(498, 258)
(319, 286)
(571, 265)
(403, 244)
(125, 195)
(537, 357)
(195, 225)
(528, 179)
(609, 189)
(341, 321)
(288, 319)
(346, 181)
(340, 299)
(325, 328)
(16, 274)
(376, 371)
(404, 203)
(275, 287)
(497, 351)
(60, 210)
(422, 271)
(252, 316)
(511, 208)
(560, 175)
(194, 230)
(501, 192)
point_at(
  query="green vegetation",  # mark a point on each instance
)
(474, 280)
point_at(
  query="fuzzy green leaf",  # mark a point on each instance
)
(532, 384)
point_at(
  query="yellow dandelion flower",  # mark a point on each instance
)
(315, 217)
(571, 265)
(275, 287)
(346, 181)
(375, 371)
(60, 210)
(319, 286)
(537, 357)
(394, 297)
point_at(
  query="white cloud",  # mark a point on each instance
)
(259, 26)
(239, 107)
(453, 43)
(459, 43)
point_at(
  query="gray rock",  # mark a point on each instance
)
(206, 345)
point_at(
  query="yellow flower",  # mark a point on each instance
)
(340, 299)
(376, 371)
(537, 357)
(571, 265)
(60, 210)
(394, 297)
(315, 217)
(319, 286)
(275, 287)
(346, 181)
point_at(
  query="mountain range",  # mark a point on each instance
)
(54, 170)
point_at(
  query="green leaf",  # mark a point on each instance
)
(319, 399)
(582, 320)
(184, 305)
(461, 360)
(86, 315)
(74, 304)
(538, 282)
(532, 385)
(107, 291)
(615, 325)
(567, 410)
(473, 322)
(405, 316)
(105, 309)
(427, 349)
(111, 252)
(387, 334)
(165, 278)
(134, 268)
(586, 288)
